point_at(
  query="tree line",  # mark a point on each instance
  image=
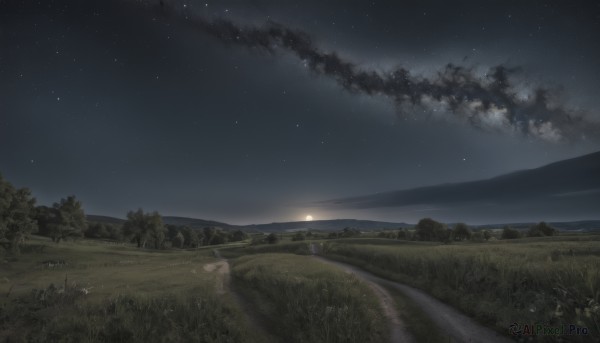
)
(65, 219)
(428, 229)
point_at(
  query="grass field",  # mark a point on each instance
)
(92, 291)
(549, 281)
(308, 301)
(114, 293)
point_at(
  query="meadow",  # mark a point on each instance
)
(308, 301)
(95, 291)
(550, 280)
(90, 291)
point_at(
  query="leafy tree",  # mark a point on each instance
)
(486, 234)
(219, 237)
(98, 230)
(142, 227)
(17, 215)
(65, 219)
(403, 234)
(508, 233)
(428, 229)
(193, 238)
(238, 235)
(178, 240)
(541, 229)
(298, 236)
(115, 232)
(172, 231)
(349, 232)
(208, 235)
(461, 232)
(272, 238)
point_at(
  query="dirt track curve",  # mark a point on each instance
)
(452, 324)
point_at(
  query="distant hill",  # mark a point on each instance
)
(326, 225)
(335, 224)
(170, 220)
(580, 225)
(198, 223)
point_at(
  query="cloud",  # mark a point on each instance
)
(491, 102)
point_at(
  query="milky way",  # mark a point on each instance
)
(489, 102)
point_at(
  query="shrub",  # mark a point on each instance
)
(508, 233)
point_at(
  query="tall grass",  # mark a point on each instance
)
(298, 248)
(308, 301)
(552, 283)
(111, 293)
(59, 315)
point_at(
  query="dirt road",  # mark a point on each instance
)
(453, 324)
(255, 320)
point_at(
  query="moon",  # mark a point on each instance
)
(309, 218)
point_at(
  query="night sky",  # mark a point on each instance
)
(254, 111)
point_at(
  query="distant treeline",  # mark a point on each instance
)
(20, 217)
(428, 229)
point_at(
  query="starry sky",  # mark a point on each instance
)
(254, 111)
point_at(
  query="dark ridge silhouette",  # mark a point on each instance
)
(572, 180)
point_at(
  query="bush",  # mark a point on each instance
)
(508, 233)
(272, 238)
(541, 229)
(428, 229)
(299, 236)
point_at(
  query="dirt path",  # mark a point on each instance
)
(453, 324)
(398, 331)
(253, 318)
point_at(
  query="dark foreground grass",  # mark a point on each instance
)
(58, 315)
(114, 293)
(308, 301)
(551, 282)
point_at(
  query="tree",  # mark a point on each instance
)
(208, 235)
(508, 233)
(17, 215)
(272, 238)
(298, 236)
(156, 229)
(238, 235)
(98, 230)
(486, 234)
(178, 240)
(349, 232)
(403, 234)
(461, 232)
(172, 231)
(193, 238)
(219, 237)
(142, 227)
(428, 229)
(65, 219)
(541, 229)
